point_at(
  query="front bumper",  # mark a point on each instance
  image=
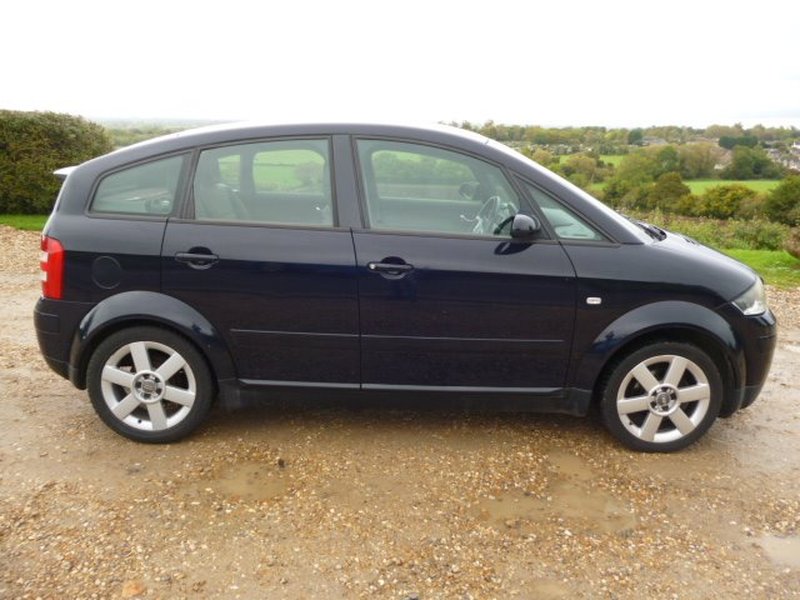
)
(757, 337)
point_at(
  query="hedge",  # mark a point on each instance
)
(32, 146)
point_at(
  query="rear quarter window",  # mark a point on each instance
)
(144, 189)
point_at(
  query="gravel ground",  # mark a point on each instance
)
(299, 502)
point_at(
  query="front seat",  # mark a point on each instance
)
(213, 199)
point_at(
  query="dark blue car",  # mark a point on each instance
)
(378, 260)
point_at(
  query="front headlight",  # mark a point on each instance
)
(753, 301)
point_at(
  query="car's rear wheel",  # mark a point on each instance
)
(662, 397)
(149, 384)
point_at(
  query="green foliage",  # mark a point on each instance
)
(637, 172)
(32, 146)
(730, 141)
(584, 170)
(638, 168)
(751, 163)
(792, 242)
(698, 159)
(783, 203)
(667, 193)
(718, 131)
(667, 158)
(724, 201)
(756, 234)
(630, 185)
(543, 157)
(635, 137)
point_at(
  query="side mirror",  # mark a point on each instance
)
(524, 226)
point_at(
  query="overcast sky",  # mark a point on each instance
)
(576, 62)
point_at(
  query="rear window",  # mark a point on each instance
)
(144, 189)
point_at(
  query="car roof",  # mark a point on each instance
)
(244, 130)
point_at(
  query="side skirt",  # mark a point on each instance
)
(238, 393)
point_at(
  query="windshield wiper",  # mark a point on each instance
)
(654, 232)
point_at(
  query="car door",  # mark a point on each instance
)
(448, 300)
(260, 255)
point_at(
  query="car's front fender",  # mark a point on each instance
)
(673, 319)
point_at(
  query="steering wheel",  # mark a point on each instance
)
(486, 215)
(494, 216)
(503, 224)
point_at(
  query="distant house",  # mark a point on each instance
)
(649, 140)
(790, 159)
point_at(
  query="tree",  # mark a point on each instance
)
(667, 158)
(730, 141)
(783, 202)
(792, 242)
(638, 168)
(717, 131)
(667, 192)
(751, 163)
(32, 146)
(698, 159)
(635, 173)
(581, 169)
(724, 201)
(541, 156)
(635, 137)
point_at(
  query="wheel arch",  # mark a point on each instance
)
(672, 321)
(139, 308)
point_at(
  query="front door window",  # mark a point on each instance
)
(412, 187)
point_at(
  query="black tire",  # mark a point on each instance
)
(670, 410)
(140, 396)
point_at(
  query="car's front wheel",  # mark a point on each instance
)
(662, 397)
(149, 384)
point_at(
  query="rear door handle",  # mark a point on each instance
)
(197, 260)
(392, 270)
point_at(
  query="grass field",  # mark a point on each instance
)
(290, 169)
(612, 159)
(698, 186)
(26, 222)
(778, 268)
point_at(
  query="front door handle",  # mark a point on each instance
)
(197, 260)
(390, 269)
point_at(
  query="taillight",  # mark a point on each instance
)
(52, 265)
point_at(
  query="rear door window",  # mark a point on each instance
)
(281, 182)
